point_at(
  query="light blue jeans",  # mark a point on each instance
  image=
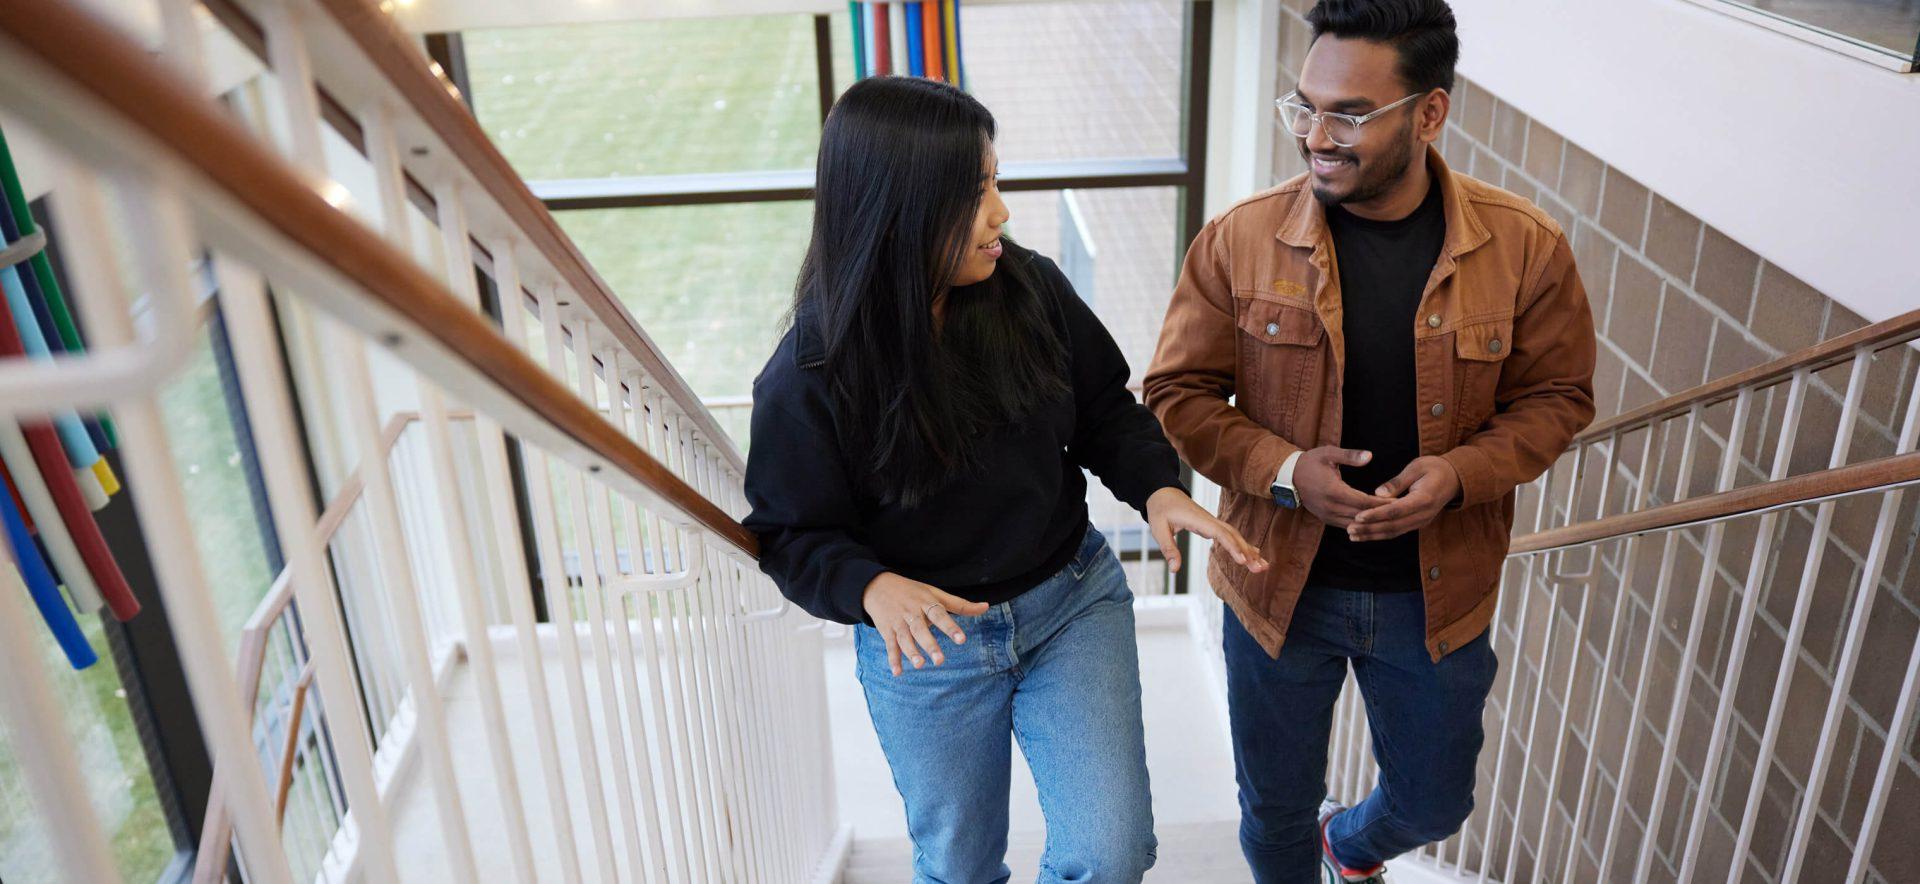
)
(1057, 669)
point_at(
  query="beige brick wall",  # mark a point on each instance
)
(1676, 304)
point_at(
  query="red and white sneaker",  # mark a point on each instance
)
(1333, 871)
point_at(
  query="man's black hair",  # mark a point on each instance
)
(1422, 31)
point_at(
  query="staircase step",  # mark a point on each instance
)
(1194, 853)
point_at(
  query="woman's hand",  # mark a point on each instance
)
(1170, 510)
(903, 610)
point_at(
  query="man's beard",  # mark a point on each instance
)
(1376, 177)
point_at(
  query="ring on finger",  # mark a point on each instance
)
(927, 611)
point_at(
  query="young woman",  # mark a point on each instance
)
(918, 439)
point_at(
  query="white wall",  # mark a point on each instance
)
(1807, 157)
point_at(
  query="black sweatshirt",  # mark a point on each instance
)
(985, 537)
(1383, 268)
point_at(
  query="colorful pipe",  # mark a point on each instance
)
(916, 58)
(51, 457)
(42, 269)
(883, 39)
(73, 434)
(43, 514)
(857, 17)
(45, 592)
(950, 11)
(930, 35)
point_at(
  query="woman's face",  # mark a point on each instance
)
(984, 249)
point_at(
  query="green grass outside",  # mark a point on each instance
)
(708, 283)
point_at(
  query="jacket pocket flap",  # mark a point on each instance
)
(1274, 322)
(1484, 341)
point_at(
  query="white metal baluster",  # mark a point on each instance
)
(293, 72)
(1549, 563)
(676, 606)
(740, 667)
(678, 638)
(761, 709)
(597, 623)
(1683, 670)
(1662, 585)
(1903, 710)
(618, 412)
(299, 104)
(38, 730)
(519, 584)
(1656, 437)
(560, 606)
(161, 258)
(602, 515)
(734, 816)
(1541, 514)
(737, 665)
(1578, 656)
(1868, 591)
(391, 550)
(466, 590)
(699, 612)
(1743, 627)
(271, 410)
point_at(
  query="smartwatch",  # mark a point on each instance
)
(1283, 493)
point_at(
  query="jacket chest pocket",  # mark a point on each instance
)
(1479, 350)
(1280, 352)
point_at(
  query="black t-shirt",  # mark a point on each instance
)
(1384, 267)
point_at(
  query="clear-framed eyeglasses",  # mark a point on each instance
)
(1341, 129)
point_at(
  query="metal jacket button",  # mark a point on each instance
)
(1493, 346)
(1433, 321)
(1273, 328)
(1433, 573)
(1438, 409)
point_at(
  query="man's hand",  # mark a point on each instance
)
(905, 612)
(1324, 492)
(1170, 510)
(1422, 490)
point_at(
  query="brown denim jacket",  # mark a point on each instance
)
(1504, 352)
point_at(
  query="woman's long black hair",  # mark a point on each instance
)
(896, 191)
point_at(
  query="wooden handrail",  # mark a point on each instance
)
(401, 61)
(147, 95)
(1900, 469)
(1816, 357)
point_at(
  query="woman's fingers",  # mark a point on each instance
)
(959, 605)
(943, 621)
(909, 649)
(1237, 546)
(917, 627)
(893, 651)
(1163, 535)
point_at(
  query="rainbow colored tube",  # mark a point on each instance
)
(43, 589)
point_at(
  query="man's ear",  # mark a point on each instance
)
(1434, 109)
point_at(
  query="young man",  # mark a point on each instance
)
(1402, 345)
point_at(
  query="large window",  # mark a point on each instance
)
(119, 782)
(1074, 87)
(1884, 31)
(649, 98)
(710, 284)
(217, 476)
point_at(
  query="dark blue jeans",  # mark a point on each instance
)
(1425, 719)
